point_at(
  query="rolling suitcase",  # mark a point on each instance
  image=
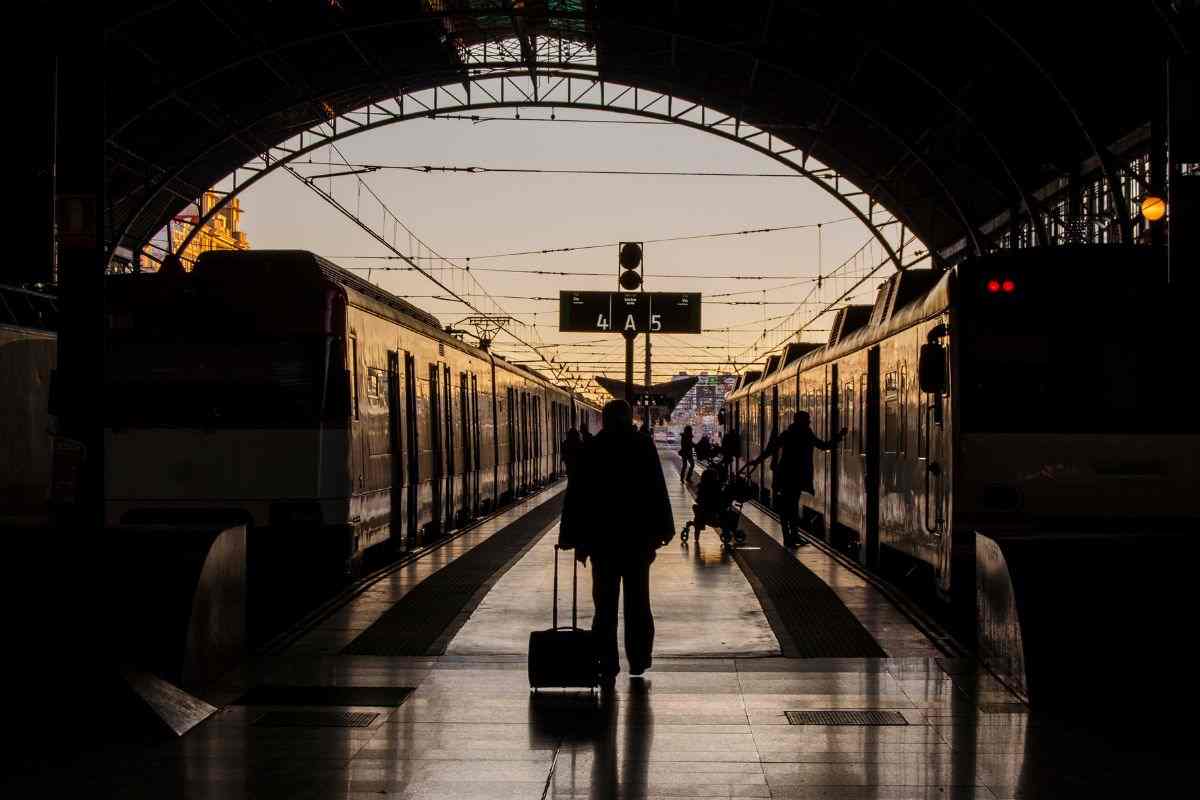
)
(563, 657)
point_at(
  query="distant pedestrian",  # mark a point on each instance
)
(686, 454)
(617, 513)
(731, 446)
(793, 470)
(704, 448)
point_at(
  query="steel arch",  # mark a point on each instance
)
(513, 88)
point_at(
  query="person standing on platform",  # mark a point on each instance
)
(793, 471)
(618, 514)
(687, 454)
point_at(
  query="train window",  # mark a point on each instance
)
(354, 372)
(377, 386)
(891, 425)
(850, 419)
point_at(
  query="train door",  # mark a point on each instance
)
(414, 460)
(737, 427)
(764, 495)
(834, 416)
(931, 449)
(555, 417)
(437, 446)
(451, 462)
(510, 436)
(775, 413)
(395, 447)
(523, 433)
(539, 444)
(871, 440)
(534, 462)
(464, 428)
(476, 447)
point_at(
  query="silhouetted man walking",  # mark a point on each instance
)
(793, 471)
(617, 513)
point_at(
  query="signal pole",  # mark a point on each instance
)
(648, 383)
(629, 278)
(629, 337)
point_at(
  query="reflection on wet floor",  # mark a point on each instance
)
(695, 727)
(703, 605)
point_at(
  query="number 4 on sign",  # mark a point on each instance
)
(602, 323)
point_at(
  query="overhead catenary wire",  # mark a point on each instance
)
(596, 246)
(573, 274)
(535, 298)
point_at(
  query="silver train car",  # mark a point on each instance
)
(28, 353)
(276, 387)
(1023, 396)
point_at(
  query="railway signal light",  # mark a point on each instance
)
(629, 259)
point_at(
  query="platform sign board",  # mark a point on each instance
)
(635, 312)
(678, 312)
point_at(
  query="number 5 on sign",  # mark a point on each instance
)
(602, 323)
(656, 322)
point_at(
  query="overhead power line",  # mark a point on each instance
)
(663, 240)
(555, 300)
(570, 274)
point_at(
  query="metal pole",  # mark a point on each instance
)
(629, 366)
(1158, 150)
(648, 380)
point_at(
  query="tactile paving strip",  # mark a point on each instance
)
(417, 624)
(316, 719)
(844, 717)
(809, 619)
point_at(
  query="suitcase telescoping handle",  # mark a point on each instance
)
(574, 590)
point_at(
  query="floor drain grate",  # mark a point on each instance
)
(846, 718)
(316, 719)
(280, 695)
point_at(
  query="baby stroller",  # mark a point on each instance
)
(719, 499)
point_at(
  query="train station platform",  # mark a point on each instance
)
(777, 673)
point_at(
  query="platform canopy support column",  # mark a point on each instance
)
(80, 223)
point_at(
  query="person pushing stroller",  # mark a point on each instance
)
(719, 496)
(793, 471)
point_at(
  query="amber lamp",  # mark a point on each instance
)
(1153, 208)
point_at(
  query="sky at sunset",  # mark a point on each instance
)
(464, 215)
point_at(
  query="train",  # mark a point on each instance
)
(276, 388)
(28, 354)
(1023, 396)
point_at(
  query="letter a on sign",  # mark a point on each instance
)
(630, 325)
